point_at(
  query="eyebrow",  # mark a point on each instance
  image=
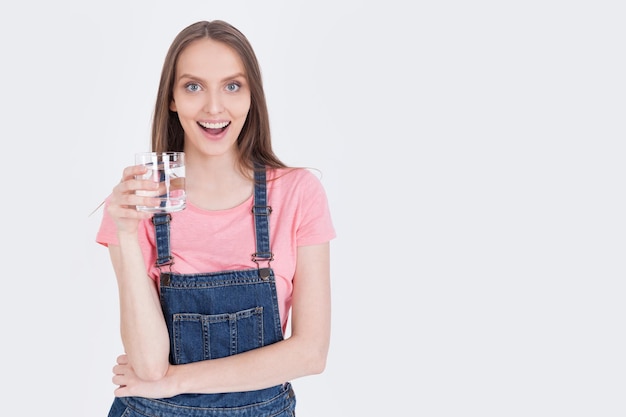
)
(230, 77)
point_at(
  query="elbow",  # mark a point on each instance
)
(317, 361)
(317, 367)
(151, 374)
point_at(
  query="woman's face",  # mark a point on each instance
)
(211, 96)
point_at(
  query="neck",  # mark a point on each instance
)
(216, 183)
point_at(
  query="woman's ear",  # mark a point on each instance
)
(173, 106)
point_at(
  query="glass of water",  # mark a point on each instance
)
(168, 170)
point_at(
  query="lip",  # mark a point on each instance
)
(214, 134)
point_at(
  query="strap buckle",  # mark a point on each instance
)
(262, 210)
(264, 273)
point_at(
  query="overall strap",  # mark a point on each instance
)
(261, 212)
(161, 223)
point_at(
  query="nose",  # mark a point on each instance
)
(213, 103)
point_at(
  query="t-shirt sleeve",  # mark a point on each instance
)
(315, 225)
(107, 233)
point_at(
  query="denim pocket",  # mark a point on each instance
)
(199, 337)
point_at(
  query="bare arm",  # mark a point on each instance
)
(303, 353)
(143, 330)
(142, 325)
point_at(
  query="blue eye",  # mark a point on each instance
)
(232, 87)
(192, 87)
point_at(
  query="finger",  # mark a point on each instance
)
(124, 201)
(130, 186)
(133, 179)
(132, 171)
(117, 380)
(120, 212)
(122, 359)
(118, 369)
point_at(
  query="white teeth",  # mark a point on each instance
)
(208, 125)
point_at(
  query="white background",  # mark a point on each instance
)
(473, 156)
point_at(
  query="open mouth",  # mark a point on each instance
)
(214, 128)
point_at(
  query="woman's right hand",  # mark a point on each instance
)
(123, 203)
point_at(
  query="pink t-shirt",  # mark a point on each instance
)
(209, 241)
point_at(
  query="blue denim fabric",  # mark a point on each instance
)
(282, 404)
(213, 315)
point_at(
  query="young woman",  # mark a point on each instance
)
(205, 293)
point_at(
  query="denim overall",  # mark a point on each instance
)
(217, 314)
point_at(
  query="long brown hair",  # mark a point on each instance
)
(254, 141)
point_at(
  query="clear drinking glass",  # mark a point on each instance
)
(167, 169)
